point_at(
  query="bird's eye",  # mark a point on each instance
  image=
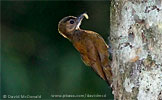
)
(71, 22)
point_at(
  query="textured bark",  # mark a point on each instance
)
(136, 38)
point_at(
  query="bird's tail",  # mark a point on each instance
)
(108, 74)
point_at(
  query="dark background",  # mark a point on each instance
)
(37, 60)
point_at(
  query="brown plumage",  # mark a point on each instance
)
(91, 46)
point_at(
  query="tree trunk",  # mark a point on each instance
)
(136, 38)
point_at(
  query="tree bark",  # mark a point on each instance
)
(136, 38)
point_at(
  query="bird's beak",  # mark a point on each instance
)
(80, 18)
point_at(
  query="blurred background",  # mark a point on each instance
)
(37, 60)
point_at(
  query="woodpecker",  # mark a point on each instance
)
(91, 46)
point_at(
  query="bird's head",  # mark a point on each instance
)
(69, 24)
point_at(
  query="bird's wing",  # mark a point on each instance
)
(92, 55)
(89, 55)
(102, 49)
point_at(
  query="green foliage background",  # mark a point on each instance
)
(37, 60)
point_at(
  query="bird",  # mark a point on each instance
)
(91, 46)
